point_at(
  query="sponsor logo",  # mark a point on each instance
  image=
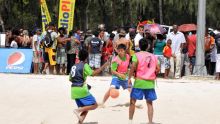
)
(15, 60)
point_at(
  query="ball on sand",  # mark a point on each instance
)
(114, 93)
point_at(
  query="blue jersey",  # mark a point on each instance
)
(77, 75)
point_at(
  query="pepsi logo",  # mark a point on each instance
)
(16, 58)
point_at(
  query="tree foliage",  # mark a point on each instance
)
(90, 13)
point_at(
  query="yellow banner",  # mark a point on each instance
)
(45, 15)
(66, 14)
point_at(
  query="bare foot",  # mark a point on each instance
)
(78, 116)
(101, 105)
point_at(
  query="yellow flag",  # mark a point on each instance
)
(45, 15)
(66, 14)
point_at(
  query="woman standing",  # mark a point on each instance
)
(158, 46)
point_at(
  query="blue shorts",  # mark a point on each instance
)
(138, 94)
(86, 101)
(117, 83)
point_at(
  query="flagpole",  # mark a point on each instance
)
(200, 69)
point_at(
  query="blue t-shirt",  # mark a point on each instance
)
(95, 44)
(158, 47)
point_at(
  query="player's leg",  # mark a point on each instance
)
(132, 108)
(106, 96)
(150, 96)
(83, 116)
(150, 111)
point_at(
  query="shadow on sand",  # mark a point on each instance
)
(90, 123)
(127, 105)
(153, 123)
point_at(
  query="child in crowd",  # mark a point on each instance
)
(167, 52)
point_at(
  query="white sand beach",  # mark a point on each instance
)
(45, 99)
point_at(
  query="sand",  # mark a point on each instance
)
(45, 99)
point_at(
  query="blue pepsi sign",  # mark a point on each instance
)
(15, 60)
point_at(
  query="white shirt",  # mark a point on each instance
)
(177, 40)
(36, 39)
(127, 36)
(213, 54)
(14, 44)
(136, 39)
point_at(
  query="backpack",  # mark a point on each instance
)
(47, 40)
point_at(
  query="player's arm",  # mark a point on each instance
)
(99, 70)
(89, 72)
(133, 68)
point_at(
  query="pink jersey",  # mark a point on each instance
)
(146, 67)
(122, 65)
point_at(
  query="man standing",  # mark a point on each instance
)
(36, 50)
(217, 41)
(178, 40)
(209, 46)
(95, 47)
(191, 45)
(50, 51)
(137, 38)
(61, 53)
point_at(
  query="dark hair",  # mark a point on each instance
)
(61, 29)
(143, 44)
(160, 36)
(15, 32)
(83, 55)
(132, 34)
(121, 46)
(96, 33)
(71, 33)
(51, 24)
(112, 36)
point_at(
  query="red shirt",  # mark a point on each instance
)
(167, 51)
(191, 40)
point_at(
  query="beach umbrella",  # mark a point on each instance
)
(154, 29)
(187, 27)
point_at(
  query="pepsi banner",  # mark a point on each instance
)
(15, 60)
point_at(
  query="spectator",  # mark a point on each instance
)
(71, 48)
(50, 52)
(26, 41)
(107, 51)
(36, 50)
(158, 46)
(88, 38)
(139, 36)
(209, 45)
(167, 52)
(178, 40)
(14, 43)
(217, 41)
(132, 35)
(151, 38)
(61, 53)
(122, 40)
(191, 46)
(95, 48)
